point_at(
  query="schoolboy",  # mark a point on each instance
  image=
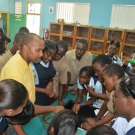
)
(60, 65)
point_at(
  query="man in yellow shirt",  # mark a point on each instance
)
(19, 69)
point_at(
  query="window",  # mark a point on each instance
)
(123, 16)
(33, 17)
(73, 12)
(18, 7)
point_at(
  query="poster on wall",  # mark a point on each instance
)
(51, 10)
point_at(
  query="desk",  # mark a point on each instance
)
(35, 127)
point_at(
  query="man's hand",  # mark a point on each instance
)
(58, 108)
(76, 108)
(90, 90)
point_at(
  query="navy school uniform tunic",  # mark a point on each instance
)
(3, 125)
(45, 74)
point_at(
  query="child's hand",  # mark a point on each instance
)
(90, 121)
(126, 62)
(86, 126)
(76, 108)
(47, 92)
(52, 95)
(90, 90)
(61, 103)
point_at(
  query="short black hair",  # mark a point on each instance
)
(24, 117)
(102, 59)
(117, 44)
(63, 44)
(131, 72)
(64, 122)
(19, 37)
(88, 70)
(28, 39)
(50, 45)
(114, 69)
(24, 30)
(83, 41)
(101, 130)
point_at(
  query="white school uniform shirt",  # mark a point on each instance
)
(116, 59)
(36, 79)
(97, 88)
(130, 125)
(120, 125)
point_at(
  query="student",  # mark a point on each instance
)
(10, 92)
(23, 30)
(16, 46)
(127, 64)
(86, 77)
(19, 69)
(60, 65)
(124, 100)
(111, 75)
(44, 72)
(63, 123)
(3, 41)
(76, 59)
(112, 51)
(98, 65)
(131, 72)
(105, 130)
(130, 66)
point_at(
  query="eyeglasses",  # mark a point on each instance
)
(130, 91)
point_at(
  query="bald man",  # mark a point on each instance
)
(19, 69)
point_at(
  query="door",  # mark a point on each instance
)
(15, 23)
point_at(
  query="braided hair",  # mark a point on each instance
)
(87, 69)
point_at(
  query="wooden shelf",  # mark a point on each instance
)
(129, 44)
(81, 38)
(67, 36)
(54, 34)
(98, 40)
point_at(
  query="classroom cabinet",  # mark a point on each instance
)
(98, 38)
(129, 43)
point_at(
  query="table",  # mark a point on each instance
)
(35, 126)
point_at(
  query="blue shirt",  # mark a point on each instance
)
(3, 125)
(115, 59)
(130, 129)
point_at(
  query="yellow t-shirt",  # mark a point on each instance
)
(17, 68)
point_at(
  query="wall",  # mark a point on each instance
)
(7, 6)
(100, 11)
